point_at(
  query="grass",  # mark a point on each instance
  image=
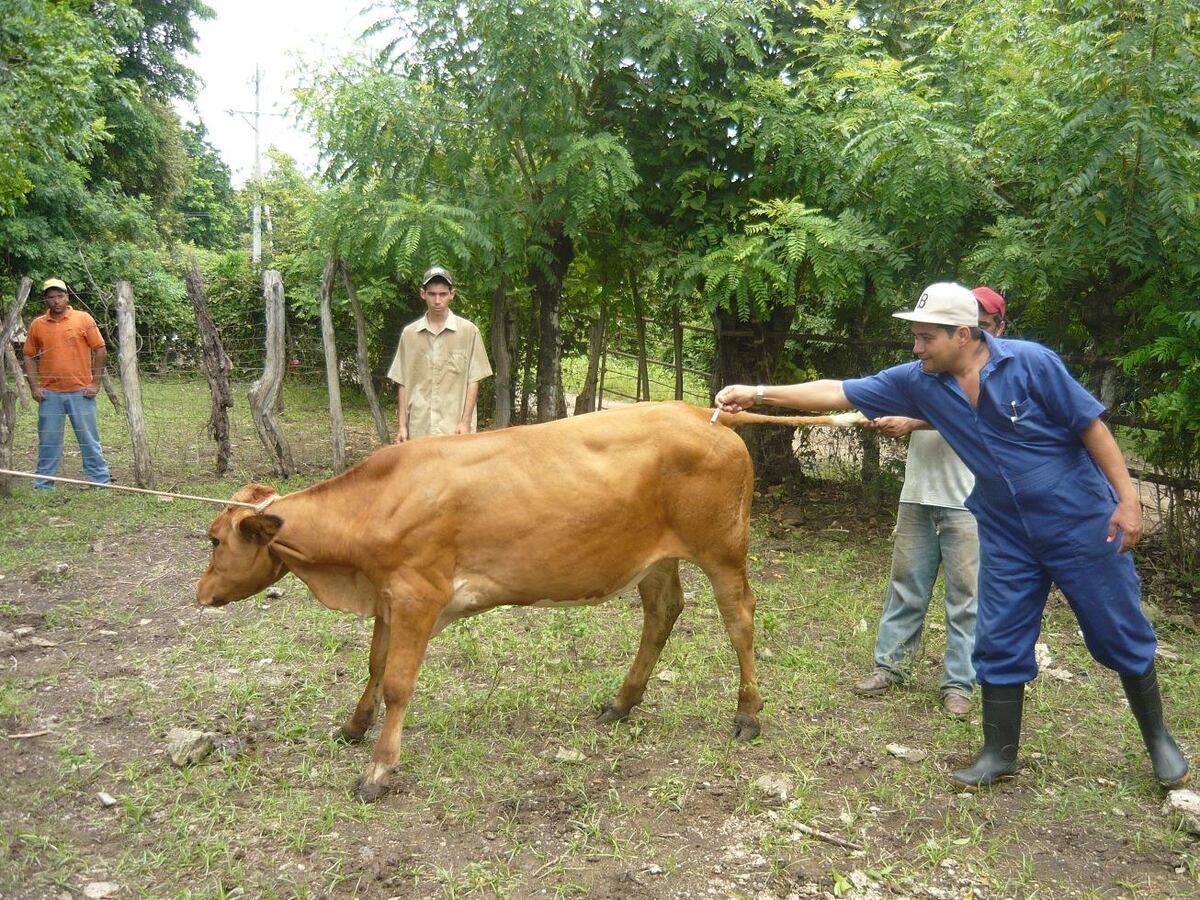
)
(662, 804)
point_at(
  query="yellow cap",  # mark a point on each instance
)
(54, 283)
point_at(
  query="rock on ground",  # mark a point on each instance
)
(186, 747)
(901, 752)
(774, 789)
(1186, 804)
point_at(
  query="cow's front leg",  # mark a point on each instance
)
(364, 714)
(410, 627)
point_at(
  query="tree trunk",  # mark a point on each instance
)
(547, 293)
(502, 361)
(333, 382)
(131, 385)
(588, 397)
(1107, 324)
(863, 364)
(362, 358)
(264, 393)
(8, 405)
(748, 353)
(216, 369)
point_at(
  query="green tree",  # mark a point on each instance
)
(49, 99)
(534, 164)
(209, 207)
(1088, 119)
(92, 159)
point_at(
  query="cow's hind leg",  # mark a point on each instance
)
(662, 601)
(736, 602)
(368, 705)
(407, 639)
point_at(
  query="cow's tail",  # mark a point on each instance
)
(850, 419)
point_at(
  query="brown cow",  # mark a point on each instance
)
(427, 532)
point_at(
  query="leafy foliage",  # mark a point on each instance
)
(48, 98)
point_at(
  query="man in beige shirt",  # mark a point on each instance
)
(438, 365)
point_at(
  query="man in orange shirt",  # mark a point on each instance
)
(64, 361)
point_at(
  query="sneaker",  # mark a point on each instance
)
(875, 685)
(957, 706)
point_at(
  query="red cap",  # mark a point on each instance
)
(991, 302)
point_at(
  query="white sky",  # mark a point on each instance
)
(275, 34)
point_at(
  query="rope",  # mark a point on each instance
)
(257, 507)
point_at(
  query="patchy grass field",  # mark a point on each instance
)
(109, 652)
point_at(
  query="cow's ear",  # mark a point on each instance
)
(260, 528)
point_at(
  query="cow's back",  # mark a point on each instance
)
(552, 508)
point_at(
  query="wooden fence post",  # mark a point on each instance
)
(216, 368)
(264, 393)
(10, 356)
(8, 399)
(639, 317)
(362, 358)
(332, 381)
(131, 385)
(109, 390)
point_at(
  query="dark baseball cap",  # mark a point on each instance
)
(437, 272)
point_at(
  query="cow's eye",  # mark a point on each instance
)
(215, 541)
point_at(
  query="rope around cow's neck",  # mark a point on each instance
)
(257, 507)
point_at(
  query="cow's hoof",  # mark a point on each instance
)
(611, 714)
(369, 792)
(344, 736)
(745, 728)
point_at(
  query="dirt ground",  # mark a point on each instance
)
(715, 836)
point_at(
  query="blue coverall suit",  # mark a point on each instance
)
(1042, 504)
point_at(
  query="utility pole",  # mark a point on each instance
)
(255, 123)
(256, 241)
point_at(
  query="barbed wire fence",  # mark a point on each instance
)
(656, 358)
(176, 408)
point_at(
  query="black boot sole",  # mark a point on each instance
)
(1177, 783)
(966, 787)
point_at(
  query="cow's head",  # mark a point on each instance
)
(242, 563)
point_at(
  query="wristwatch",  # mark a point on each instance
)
(758, 393)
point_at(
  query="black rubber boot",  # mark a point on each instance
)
(1001, 735)
(1170, 765)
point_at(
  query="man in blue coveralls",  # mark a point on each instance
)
(1053, 500)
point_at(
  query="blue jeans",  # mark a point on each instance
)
(926, 537)
(53, 412)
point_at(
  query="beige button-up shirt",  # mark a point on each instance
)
(436, 370)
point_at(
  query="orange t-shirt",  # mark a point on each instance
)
(63, 350)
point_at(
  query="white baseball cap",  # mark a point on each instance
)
(944, 303)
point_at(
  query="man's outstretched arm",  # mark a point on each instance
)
(810, 395)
